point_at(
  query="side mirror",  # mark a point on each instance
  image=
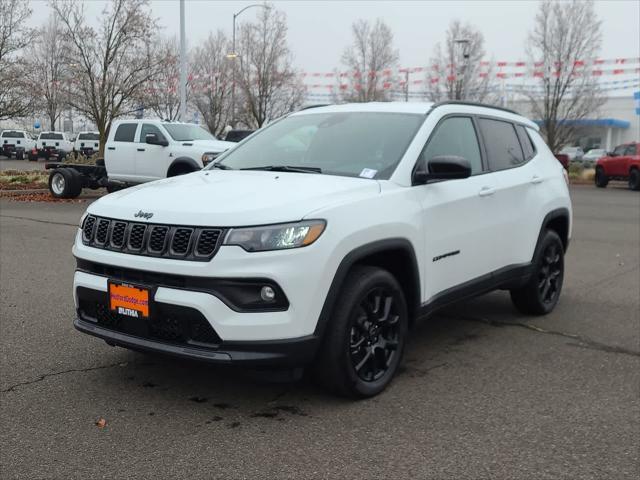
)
(441, 167)
(152, 139)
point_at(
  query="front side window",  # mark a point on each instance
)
(351, 144)
(501, 143)
(125, 132)
(150, 128)
(184, 132)
(631, 150)
(619, 150)
(50, 136)
(455, 136)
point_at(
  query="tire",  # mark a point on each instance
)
(541, 293)
(601, 179)
(65, 183)
(33, 158)
(20, 155)
(634, 179)
(369, 316)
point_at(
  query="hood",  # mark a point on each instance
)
(233, 198)
(214, 145)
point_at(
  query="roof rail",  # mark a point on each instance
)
(472, 104)
(315, 106)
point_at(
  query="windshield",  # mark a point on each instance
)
(11, 134)
(89, 136)
(182, 132)
(50, 136)
(353, 144)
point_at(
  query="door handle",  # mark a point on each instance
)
(111, 148)
(141, 149)
(486, 191)
(536, 179)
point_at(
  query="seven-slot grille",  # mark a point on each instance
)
(179, 242)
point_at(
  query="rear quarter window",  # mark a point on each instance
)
(502, 144)
(525, 141)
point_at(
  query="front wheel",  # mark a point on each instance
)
(541, 293)
(601, 179)
(634, 179)
(365, 339)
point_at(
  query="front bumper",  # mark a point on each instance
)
(290, 352)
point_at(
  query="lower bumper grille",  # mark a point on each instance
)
(167, 323)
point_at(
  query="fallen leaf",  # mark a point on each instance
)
(101, 423)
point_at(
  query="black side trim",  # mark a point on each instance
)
(185, 161)
(559, 213)
(507, 277)
(359, 254)
(240, 295)
(286, 352)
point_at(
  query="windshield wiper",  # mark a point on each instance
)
(286, 168)
(221, 166)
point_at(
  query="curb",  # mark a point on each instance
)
(11, 193)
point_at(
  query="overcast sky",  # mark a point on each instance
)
(319, 30)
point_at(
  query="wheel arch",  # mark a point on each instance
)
(557, 220)
(395, 255)
(182, 163)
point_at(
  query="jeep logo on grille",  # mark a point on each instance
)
(145, 215)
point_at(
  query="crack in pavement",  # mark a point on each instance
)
(12, 388)
(40, 221)
(584, 342)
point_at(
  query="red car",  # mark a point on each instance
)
(621, 164)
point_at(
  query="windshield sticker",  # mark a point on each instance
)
(368, 173)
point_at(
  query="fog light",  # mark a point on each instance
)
(267, 294)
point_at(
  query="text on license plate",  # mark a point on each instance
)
(129, 300)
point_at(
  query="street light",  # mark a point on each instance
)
(464, 46)
(233, 55)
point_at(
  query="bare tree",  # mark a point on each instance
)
(15, 99)
(367, 58)
(459, 74)
(46, 73)
(564, 35)
(269, 86)
(110, 64)
(211, 90)
(162, 94)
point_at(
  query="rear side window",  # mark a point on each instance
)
(527, 147)
(125, 132)
(455, 136)
(501, 143)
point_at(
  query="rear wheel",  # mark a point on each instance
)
(634, 179)
(365, 340)
(541, 293)
(601, 178)
(20, 155)
(65, 183)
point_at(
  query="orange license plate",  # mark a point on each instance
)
(129, 300)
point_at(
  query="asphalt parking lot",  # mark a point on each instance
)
(483, 393)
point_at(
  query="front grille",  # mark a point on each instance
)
(179, 242)
(167, 323)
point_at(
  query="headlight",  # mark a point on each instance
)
(209, 157)
(276, 237)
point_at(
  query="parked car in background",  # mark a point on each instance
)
(237, 135)
(563, 158)
(51, 144)
(574, 153)
(87, 143)
(621, 164)
(16, 142)
(326, 254)
(591, 157)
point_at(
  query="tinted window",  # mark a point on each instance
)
(185, 132)
(89, 136)
(527, 147)
(149, 128)
(501, 143)
(619, 150)
(631, 150)
(13, 134)
(455, 136)
(50, 136)
(125, 132)
(353, 144)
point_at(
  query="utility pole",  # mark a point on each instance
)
(406, 84)
(183, 66)
(464, 47)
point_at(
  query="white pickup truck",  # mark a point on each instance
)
(15, 142)
(87, 143)
(52, 144)
(139, 151)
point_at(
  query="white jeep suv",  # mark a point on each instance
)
(321, 239)
(144, 150)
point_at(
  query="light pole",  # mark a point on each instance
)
(233, 55)
(183, 66)
(464, 46)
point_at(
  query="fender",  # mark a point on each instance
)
(358, 254)
(550, 217)
(185, 161)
